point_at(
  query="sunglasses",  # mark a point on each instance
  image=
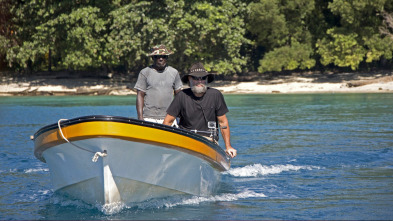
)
(199, 78)
(160, 56)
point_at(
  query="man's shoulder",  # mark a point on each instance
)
(171, 69)
(146, 70)
(209, 91)
(167, 69)
(213, 91)
(186, 91)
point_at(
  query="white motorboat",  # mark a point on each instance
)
(108, 159)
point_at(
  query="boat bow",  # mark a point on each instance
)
(139, 159)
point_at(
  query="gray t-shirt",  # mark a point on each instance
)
(158, 88)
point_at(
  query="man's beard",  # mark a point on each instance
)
(198, 89)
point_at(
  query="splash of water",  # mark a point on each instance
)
(36, 170)
(262, 170)
(112, 208)
(219, 198)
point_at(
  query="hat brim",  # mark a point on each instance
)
(151, 55)
(155, 53)
(210, 77)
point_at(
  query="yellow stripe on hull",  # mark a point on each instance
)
(126, 131)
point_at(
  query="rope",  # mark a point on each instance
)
(96, 154)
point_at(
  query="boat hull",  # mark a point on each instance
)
(140, 163)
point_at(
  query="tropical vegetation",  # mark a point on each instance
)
(228, 36)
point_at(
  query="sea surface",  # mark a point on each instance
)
(300, 156)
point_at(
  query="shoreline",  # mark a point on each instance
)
(55, 85)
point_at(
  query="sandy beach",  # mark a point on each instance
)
(66, 84)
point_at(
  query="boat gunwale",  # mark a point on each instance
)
(132, 121)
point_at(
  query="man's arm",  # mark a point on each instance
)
(226, 135)
(177, 91)
(140, 101)
(169, 120)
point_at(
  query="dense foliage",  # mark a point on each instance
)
(228, 36)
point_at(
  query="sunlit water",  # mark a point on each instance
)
(314, 156)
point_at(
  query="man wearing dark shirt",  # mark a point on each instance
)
(199, 105)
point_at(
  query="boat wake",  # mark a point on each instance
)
(218, 198)
(162, 203)
(256, 170)
(39, 170)
(36, 170)
(170, 202)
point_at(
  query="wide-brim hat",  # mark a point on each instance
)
(160, 50)
(197, 70)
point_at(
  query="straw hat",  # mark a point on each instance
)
(159, 50)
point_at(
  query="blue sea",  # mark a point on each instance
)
(300, 157)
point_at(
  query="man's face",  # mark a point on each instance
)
(160, 61)
(198, 84)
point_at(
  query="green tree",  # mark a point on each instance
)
(70, 34)
(342, 50)
(215, 34)
(356, 38)
(282, 29)
(387, 25)
(212, 32)
(87, 34)
(290, 57)
(6, 30)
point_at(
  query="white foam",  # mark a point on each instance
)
(45, 192)
(262, 170)
(219, 198)
(112, 208)
(36, 170)
(36, 197)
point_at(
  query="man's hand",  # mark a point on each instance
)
(232, 152)
(226, 134)
(169, 120)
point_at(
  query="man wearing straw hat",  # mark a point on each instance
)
(199, 107)
(156, 86)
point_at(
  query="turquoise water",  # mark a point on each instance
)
(313, 156)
